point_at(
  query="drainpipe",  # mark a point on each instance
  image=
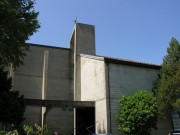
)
(109, 96)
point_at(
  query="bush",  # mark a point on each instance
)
(138, 113)
(29, 130)
(36, 130)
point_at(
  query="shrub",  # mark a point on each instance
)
(138, 113)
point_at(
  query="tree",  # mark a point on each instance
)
(12, 105)
(18, 22)
(138, 113)
(167, 86)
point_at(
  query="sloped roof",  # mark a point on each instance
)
(130, 62)
(122, 61)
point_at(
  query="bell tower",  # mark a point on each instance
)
(82, 42)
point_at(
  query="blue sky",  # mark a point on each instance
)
(139, 30)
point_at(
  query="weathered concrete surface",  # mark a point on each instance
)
(93, 88)
(124, 81)
(28, 79)
(82, 42)
(85, 39)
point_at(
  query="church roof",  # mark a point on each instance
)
(122, 61)
(47, 46)
(130, 62)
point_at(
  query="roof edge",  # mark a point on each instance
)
(131, 63)
(48, 46)
(121, 61)
(92, 57)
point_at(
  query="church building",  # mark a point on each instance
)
(76, 92)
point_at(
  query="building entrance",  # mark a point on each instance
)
(85, 121)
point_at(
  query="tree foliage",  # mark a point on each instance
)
(18, 22)
(138, 113)
(167, 87)
(12, 105)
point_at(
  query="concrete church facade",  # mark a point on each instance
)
(86, 86)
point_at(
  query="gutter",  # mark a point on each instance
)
(109, 97)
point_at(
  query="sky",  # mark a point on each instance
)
(138, 30)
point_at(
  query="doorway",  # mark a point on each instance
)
(85, 121)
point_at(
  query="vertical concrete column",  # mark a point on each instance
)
(44, 84)
(82, 42)
(74, 61)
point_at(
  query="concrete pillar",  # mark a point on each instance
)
(82, 42)
(44, 85)
(84, 39)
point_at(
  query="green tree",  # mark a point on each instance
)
(18, 22)
(167, 86)
(138, 113)
(12, 105)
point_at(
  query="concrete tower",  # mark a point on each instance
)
(82, 42)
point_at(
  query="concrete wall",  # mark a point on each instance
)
(82, 42)
(85, 39)
(93, 88)
(126, 80)
(28, 79)
(60, 120)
